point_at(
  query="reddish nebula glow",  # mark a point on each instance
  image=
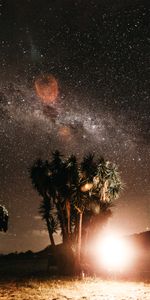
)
(64, 132)
(46, 87)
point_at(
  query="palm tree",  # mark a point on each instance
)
(49, 216)
(59, 179)
(106, 188)
(72, 184)
(100, 186)
(3, 218)
(88, 167)
(76, 197)
(41, 179)
(80, 182)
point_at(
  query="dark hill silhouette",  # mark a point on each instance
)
(54, 263)
(141, 240)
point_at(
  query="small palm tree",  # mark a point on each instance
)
(49, 216)
(3, 218)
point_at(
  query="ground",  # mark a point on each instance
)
(74, 289)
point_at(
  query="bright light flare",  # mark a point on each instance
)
(86, 187)
(115, 254)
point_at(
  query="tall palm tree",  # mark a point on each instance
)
(3, 218)
(81, 185)
(49, 216)
(106, 187)
(72, 184)
(59, 179)
(41, 179)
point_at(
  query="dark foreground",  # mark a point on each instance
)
(59, 289)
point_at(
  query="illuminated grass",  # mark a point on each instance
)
(91, 289)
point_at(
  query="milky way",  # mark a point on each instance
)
(103, 107)
(96, 127)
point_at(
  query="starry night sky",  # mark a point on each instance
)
(99, 52)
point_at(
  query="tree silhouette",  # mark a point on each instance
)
(3, 218)
(42, 182)
(76, 197)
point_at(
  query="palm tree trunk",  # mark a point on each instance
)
(61, 218)
(68, 216)
(104, 191)
(51, 238)
(50, 233)
(79, 240)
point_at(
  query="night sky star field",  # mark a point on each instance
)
(74, 76)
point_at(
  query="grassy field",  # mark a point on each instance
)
(73, 289)
(28, 279)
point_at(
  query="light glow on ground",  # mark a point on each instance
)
(93, 289)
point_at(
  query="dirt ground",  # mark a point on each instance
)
(73, 289)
